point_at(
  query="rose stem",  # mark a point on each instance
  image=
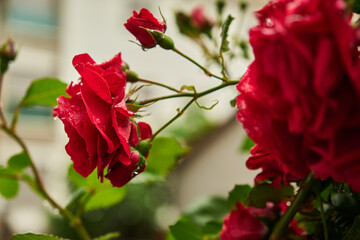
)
(195, 97)
(206, 71)
(2, 117)
(225, 84)
(322, 213)
(173, 119)
(293, 208)
(158, 84)
(75, 222)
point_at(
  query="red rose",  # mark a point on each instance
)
(271, 168)
(300, 97)
(136, 24)
(243, 224)
(97, 121)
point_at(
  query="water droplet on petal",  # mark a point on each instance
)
(97, 120)
(269, 22)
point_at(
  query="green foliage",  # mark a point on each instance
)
(90, 181)
(108, 236)
(247, 144)
(91, 194)
(262, 193)
(19, 162)
(32, 236)
(224, 47)
(354, 232)
(9, 187)
(44, 92)
(207, 210)
(238, 194)
(185, 228)
(202, 220)
(354, 5)
(164, 154)
(105, 198)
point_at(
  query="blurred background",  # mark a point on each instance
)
(48, 33)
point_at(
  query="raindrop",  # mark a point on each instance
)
(75, 107)
(268, 22)
(97, 120)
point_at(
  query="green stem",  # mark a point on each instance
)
(206, 71)
(2, 117)
(173, 119)
(194, 96)
(75, 222)
(225, 84)
(322, 214)
(15, 117)
(295, 206)
(158, 84)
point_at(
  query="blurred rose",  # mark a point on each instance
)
(299, 99)
(243, 224)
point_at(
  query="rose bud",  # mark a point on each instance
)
(140, 22)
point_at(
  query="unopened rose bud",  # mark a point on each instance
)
(220, 4)
(144, 147)
(131, 76)
(7, 55)
(125, 66)
(161, 39)
(167, 43)
(243, 6)
(7, 50)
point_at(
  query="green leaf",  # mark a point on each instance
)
(76, 198)
(19, 162)
(105, 198)
(108, 236)
(32, 236)
(189, 88)
(238, 194)
(264, 192)
(44, 92)
(9, 187)
(90, 181)
(224, 47)
(185, 228)
(212, 228)
(354, 232)
(247, 144)
(207, 209)
(164, 154)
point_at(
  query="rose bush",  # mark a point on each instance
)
(194, 24)
(244, 224)
(97, 122)
(250, 223)
(137, 24)
(299, 99)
